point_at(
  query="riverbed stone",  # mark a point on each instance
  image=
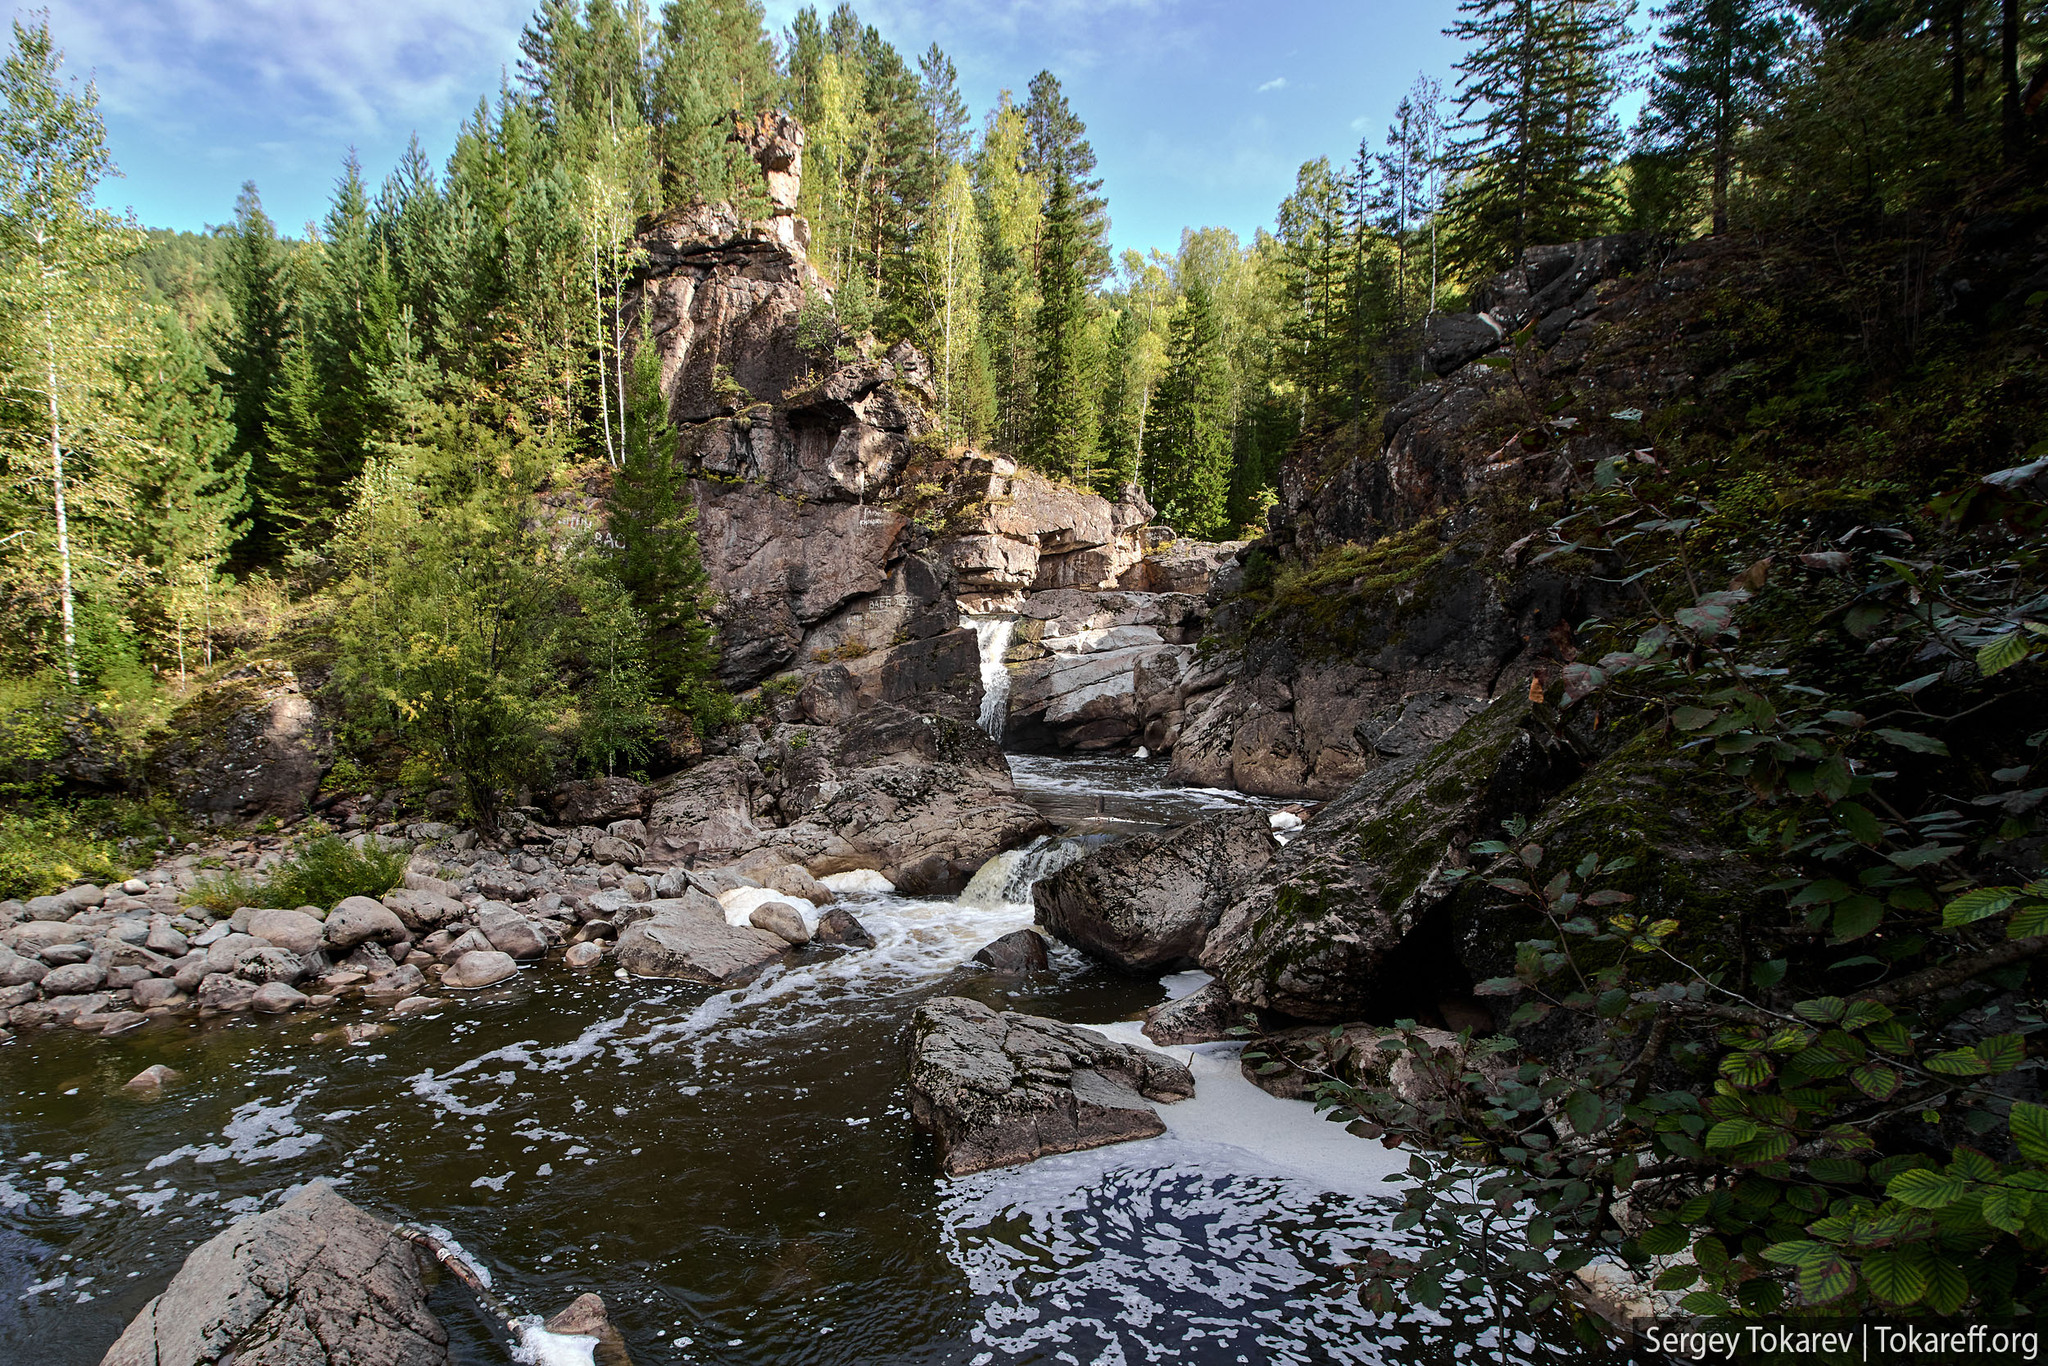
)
(687, 937)
(65, 955)
(18, 969)
(999, 1088)
(356, 919)
(1203, 1016)
(511, 932)
(479, 968)
(423, 910)
(839, 926)
(1147, 903)
(154, 991)
(73, 979)
(293, 930)
(584, 955)
(153, 1078)
(276, 998)
(780, 919)
(220, 994)
(314, 1282)
(1017, 951)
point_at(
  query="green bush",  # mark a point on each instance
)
(322, 872)
(46, 851)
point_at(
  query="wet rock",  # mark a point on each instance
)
(154, 1077)
(271, 965)
(220, 994)
(584, 955)
(1017, 951)
(780, 919)
(358, 919)
(1203, 1016)
(73, 979)
(155, 991)
(112, 1022)
(293, 930)
(415, 1005)
(479, 968)
(1147, 903)
(792, 880)
(58, 1010)
(511, 933)
(400, 980)
(838, 926)
(996, 1089)
(688, 938)
(276, 998)
(314, 1282)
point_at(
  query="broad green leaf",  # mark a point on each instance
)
(1948, 1287)
(1875, 1080)
(1825, 1277)
(2030, 1130)
(1980, 903)
(2002, 1052)
(1662, 1240)
(1898, 1277)
(1958, 1062)
(1692, 718)
(1914, 741)
(2002, 653)
(1730, 1133)
(1795, 1251)
(1822, 1009)
(1863, 1014)
(1856, 917)
(1746, 1068)
(1863, 827)
(1584, 1111)
(2006, 1208)
(1924, 1189)
(2029, 920)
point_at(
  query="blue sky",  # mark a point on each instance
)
(1200, 111)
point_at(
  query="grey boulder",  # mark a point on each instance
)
(511, 932)
(479, 968)
(838, 926)
(293, 930)
(780, 919)
(1147, 903)
(1017, 951)
(356, 919)
(1204, 1016)
(687, 938)
(314, 1282)
(996, 1089)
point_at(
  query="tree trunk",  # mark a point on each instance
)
(63, 523)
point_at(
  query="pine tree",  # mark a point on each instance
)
(1535, 97)
(1315, 263)
(655, 557)
(250, 347)
(1187, 447)
(1058, 148)
(1063, 438)
(1718, 63)
(1122, 404)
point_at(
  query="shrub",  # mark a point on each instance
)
(43, 852)
(322, 872)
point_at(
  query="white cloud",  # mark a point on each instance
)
(332, 69)
(1277, 83)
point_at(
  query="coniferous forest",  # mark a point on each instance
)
(1710, 439)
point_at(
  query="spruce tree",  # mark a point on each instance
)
(1187, 442)
(1314, 266)
(250, 344)
(655, 558)
(1718, 64)
(1063, 440)
(1058, 148)
(1535, 97)
(1122, 405)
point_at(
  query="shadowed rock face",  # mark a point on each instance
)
(314, 1282)
(1147, 903)
(999, 1089)
(252, 745)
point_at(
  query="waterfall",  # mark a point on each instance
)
(993, 635)
(1006, 879)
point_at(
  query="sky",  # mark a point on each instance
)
(1200, 111)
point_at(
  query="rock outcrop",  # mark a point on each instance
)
(249, 746)
(999, 1088)
(924, 798)
(1016, 532)
(688, 938)
(1148, 903)
(314, 1282)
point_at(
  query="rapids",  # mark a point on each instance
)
(734, 1171)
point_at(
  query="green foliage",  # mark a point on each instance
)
(1187, 472)
(466, 615)
(1063, 436)
(320, 872)
(47, 849)
(1765, 1093)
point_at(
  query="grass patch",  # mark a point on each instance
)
(323, 871)
(47, 851)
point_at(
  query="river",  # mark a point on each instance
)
(734, 1171)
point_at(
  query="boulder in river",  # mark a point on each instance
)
(1203, 1016)
(838, 926)
(1147, 903)
(479, 968)
(999, 1088)
(314, 1282)
(1017, 951)
(356, 919)
(780, 919)
(293, 930)
(687, 937)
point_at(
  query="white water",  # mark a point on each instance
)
(992, 634)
